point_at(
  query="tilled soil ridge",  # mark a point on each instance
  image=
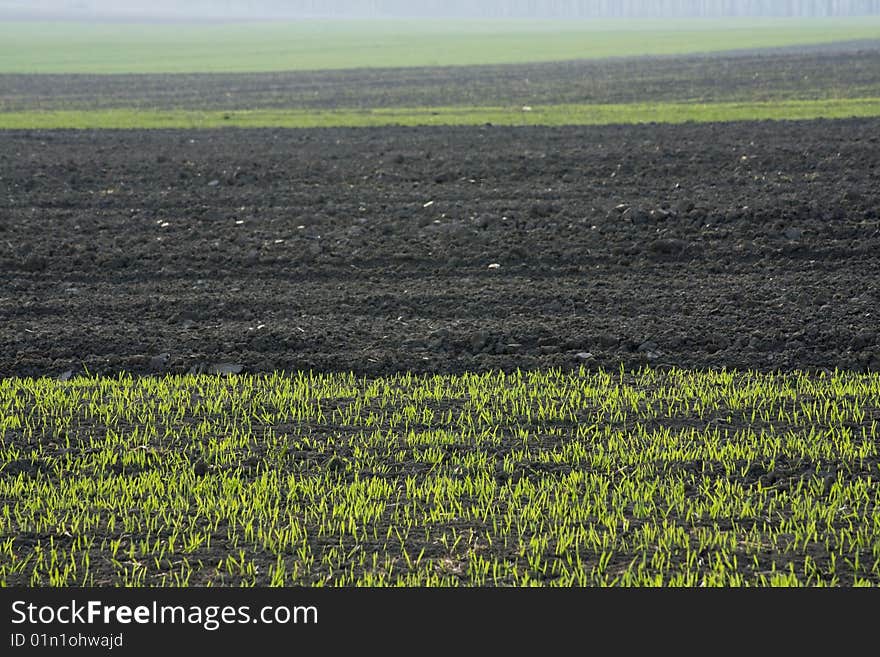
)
(838, 70)
(442, 249)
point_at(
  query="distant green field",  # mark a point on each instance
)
(70, 47)
(547, 115)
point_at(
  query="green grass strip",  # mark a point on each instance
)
(586, 478)
(416, 116)
(72, 47)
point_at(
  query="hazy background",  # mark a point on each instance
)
(267, 9)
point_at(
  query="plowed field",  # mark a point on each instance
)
(747, 245)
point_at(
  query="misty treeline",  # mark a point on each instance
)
(585, 8)
(466, 8)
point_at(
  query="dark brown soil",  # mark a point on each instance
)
(745, 245)
(740, 245)
(835, 70)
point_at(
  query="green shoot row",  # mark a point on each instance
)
(549, 478)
